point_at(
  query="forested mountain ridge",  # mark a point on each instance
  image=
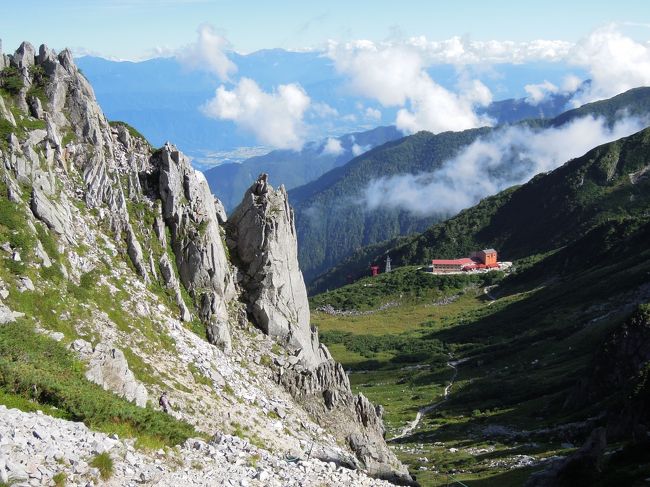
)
(551, 210)
(332, 220)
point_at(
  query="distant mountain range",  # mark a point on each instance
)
(229, 181)
(333, 223)
(162, 98)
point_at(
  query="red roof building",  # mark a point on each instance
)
(483, 259)
(450, 265)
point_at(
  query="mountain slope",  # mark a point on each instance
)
(330, 219)
(120, 280)
(334, 221)
(291, 168)
(553, 355)
(611, 181)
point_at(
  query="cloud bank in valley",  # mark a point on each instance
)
(509, 156)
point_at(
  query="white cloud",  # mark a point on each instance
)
(333, 147)
(571, 83)
(616, 63)
(208, 53)
(357, 149)
(372, 114)
(507, 157)
(323, 110)
(540, 91)
(395, 76)
(393, 72)
(462, 51)
(276, 118)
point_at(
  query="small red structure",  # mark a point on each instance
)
(374, 269)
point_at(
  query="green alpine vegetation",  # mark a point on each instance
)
(548, 212)
(538, 359)
(37, 372)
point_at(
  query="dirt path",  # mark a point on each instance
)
(486, 291)
(427, 409)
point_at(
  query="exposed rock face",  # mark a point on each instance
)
(262, 239)
(53, 215)
(93, 184)
(108, 368)
(188, 209)
(325, 392)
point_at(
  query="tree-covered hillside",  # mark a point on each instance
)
(333, 223)
(609, 182)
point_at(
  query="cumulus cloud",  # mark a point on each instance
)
(395, 76)
(393, 72)
(323, 110)
(208, 53)
(372, 114)
(333, 147)
(509, 156)
(616, 63)
(540, 91)
(276, 118)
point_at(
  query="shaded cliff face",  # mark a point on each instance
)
(128, 249)
(620, 374)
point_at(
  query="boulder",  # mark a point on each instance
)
(8, 316)
(579, 468)
(107, 367)
(54, 215)
(5, 113)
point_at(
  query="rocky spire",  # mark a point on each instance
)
(261, 234)
(189, 210)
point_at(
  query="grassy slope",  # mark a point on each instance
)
(524, 352)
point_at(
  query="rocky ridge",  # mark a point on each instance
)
(140, 228)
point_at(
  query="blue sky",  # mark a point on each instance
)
(133, 28)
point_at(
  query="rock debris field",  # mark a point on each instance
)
(35, 447)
